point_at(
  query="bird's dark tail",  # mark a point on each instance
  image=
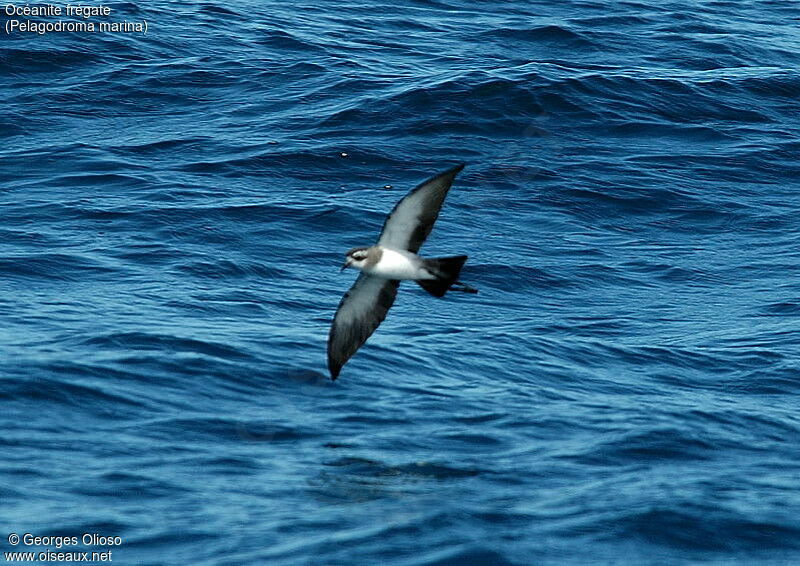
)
(446, 271)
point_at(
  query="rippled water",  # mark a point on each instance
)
(623, 390)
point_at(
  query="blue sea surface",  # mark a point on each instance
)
(174, 209)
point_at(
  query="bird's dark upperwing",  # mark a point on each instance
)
(411, 220)
(360, 312)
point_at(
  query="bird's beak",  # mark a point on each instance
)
(346, 264)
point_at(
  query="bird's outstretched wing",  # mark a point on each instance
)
(411, 220)
(360, 312)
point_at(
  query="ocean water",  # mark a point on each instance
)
(174, 206)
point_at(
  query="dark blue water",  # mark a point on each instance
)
(174, 208)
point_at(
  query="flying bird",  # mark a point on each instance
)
(393, 259)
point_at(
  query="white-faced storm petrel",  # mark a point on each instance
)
(393, 259)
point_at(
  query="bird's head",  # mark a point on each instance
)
(357, 257)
